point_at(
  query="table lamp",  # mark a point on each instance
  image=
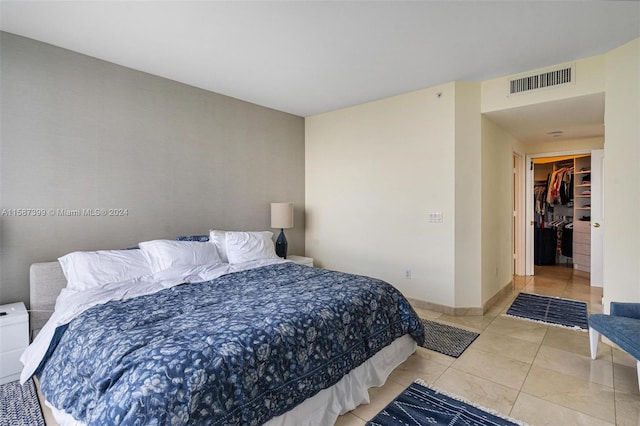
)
(281, 217)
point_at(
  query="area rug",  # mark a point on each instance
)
(19, 405)
(446, 339)
(421, 406)
(550, 310)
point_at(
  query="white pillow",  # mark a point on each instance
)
(85, 270)
(247, 246)
(218, 239)
(163, 254)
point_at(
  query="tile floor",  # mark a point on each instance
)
(542, 375)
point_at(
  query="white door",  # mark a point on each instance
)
(597, 216)
(529, 224)
(518, 215)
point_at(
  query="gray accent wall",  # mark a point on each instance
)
(80, 136)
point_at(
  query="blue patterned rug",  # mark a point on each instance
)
(19, 405)
(445, 339)
(550, 310)
(420, 406)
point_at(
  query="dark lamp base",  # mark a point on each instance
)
(281, 245)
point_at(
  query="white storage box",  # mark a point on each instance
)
(14, 339)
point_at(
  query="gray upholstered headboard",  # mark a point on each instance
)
(46, 280)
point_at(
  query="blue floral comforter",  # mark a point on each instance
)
(240, 349)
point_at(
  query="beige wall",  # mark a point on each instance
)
(622, 175)
(370, 172)
(80, 133)
(589, 79)
(373, 174)
(497, 205)
(468, 196)
(584, 144)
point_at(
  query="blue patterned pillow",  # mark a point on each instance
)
(200, 238)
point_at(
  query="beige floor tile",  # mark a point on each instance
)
(417, 367)
(475, 323)
(517, 329)
(627, 409)
(577, 280)
(491, 366)
(526, 278)
(495, 311)
(625, 378)
(519, 283)
(349, 420)
(582, 284)
(577, 394)
(427, 314)
(573, 341)
(478, 391)
(577, 294)
(545, 290)
(506, 346)
(548, 282)
(580, 366)
(596, 307)
(560, 271)
(539, 412)
(509, 297)
(623, 358)
(379, 398)
(434, 356)
(508, 301)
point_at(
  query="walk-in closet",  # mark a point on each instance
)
(562, 204)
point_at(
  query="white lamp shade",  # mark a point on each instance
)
(282, 215)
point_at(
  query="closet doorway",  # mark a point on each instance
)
(560, 201)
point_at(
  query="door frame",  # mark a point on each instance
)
(519, 221)
(529, 205)
(598, 220)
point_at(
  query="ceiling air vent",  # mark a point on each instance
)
(540, 81)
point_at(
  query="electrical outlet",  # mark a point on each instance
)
(435, 217)
(407, 274)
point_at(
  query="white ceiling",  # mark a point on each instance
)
(306, 57)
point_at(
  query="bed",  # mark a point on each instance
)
(234, 340)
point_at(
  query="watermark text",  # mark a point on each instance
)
(63, 212)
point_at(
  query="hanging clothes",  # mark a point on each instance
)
(560, 186)
(566, 187)
(540, 202)
(567, 240)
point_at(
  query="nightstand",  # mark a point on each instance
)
(301, 260)
(14, 339)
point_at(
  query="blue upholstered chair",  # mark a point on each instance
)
(621, 326)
